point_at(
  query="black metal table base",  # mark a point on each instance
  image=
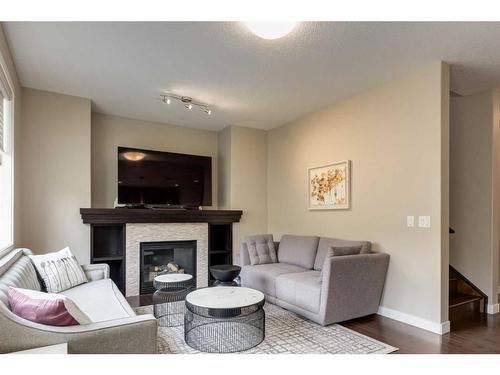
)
(168, 302)
(169, 307)
(224, 330)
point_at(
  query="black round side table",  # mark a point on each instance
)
(225, 274)
(168, 300)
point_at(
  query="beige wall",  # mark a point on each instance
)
(248, 181)
(55, 172)
(224, 164)
(242, 179)
(474, 190)
(8, 65)
(393, 136)
(445, 190)
(109, 132)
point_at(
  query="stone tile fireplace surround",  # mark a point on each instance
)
(157, 232)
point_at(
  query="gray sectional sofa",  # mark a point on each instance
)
(115, 328)
(312, 282)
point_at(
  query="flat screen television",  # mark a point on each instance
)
(154, 178)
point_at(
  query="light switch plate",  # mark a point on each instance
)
(410, 221)
(424, 221)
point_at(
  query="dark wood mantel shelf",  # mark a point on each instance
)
(125, 215)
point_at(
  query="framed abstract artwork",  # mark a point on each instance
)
(329, 186)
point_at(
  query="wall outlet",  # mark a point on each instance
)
(424, 221)
(410, 221)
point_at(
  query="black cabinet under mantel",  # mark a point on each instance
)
(108, 226)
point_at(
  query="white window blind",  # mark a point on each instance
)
(2, 148)
(6, 162)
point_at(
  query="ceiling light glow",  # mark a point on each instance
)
(271, 30)
(134, 156)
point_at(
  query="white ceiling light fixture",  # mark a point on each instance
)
(271, 30)
(187, 101)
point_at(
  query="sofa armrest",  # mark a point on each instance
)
(352, 285)
(135, 334)
(96, 271)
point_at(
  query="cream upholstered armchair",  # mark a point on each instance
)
(115, 328)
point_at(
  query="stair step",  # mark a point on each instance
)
(459, 299)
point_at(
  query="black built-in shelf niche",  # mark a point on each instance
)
(220, 248)
(108, 246)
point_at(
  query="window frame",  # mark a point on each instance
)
(6, 87)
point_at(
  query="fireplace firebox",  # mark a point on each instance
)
(155, 256)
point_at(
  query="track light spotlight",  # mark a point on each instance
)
(186, 100)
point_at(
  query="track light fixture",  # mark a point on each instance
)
(187, 101)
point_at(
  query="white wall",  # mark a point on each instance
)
(474, 188)
(55, 172)
(396, 138)
(109, 132)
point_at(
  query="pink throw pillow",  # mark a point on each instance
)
(45, 308)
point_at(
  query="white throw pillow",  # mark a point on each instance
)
(43, 298)
(59, 271)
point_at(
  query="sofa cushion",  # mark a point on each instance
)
(298, 250)
(300, 289)
(45, 308)
(261, 249)
(17, 270)
(326, 243)
(263, 276)
(100, 300)
(345, 250)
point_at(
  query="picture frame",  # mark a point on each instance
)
(329, 186)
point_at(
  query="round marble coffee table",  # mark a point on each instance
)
(224, 319)
(168, 300)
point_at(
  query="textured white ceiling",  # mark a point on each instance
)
(250, 81)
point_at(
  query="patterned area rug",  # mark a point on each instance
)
(286, 333)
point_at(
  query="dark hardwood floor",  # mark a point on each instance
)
(473, 333)
(142, 300)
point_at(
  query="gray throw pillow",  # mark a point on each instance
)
(346, 250)
(261, 249)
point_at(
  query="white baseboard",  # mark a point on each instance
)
(439, 328)
(493, 309)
